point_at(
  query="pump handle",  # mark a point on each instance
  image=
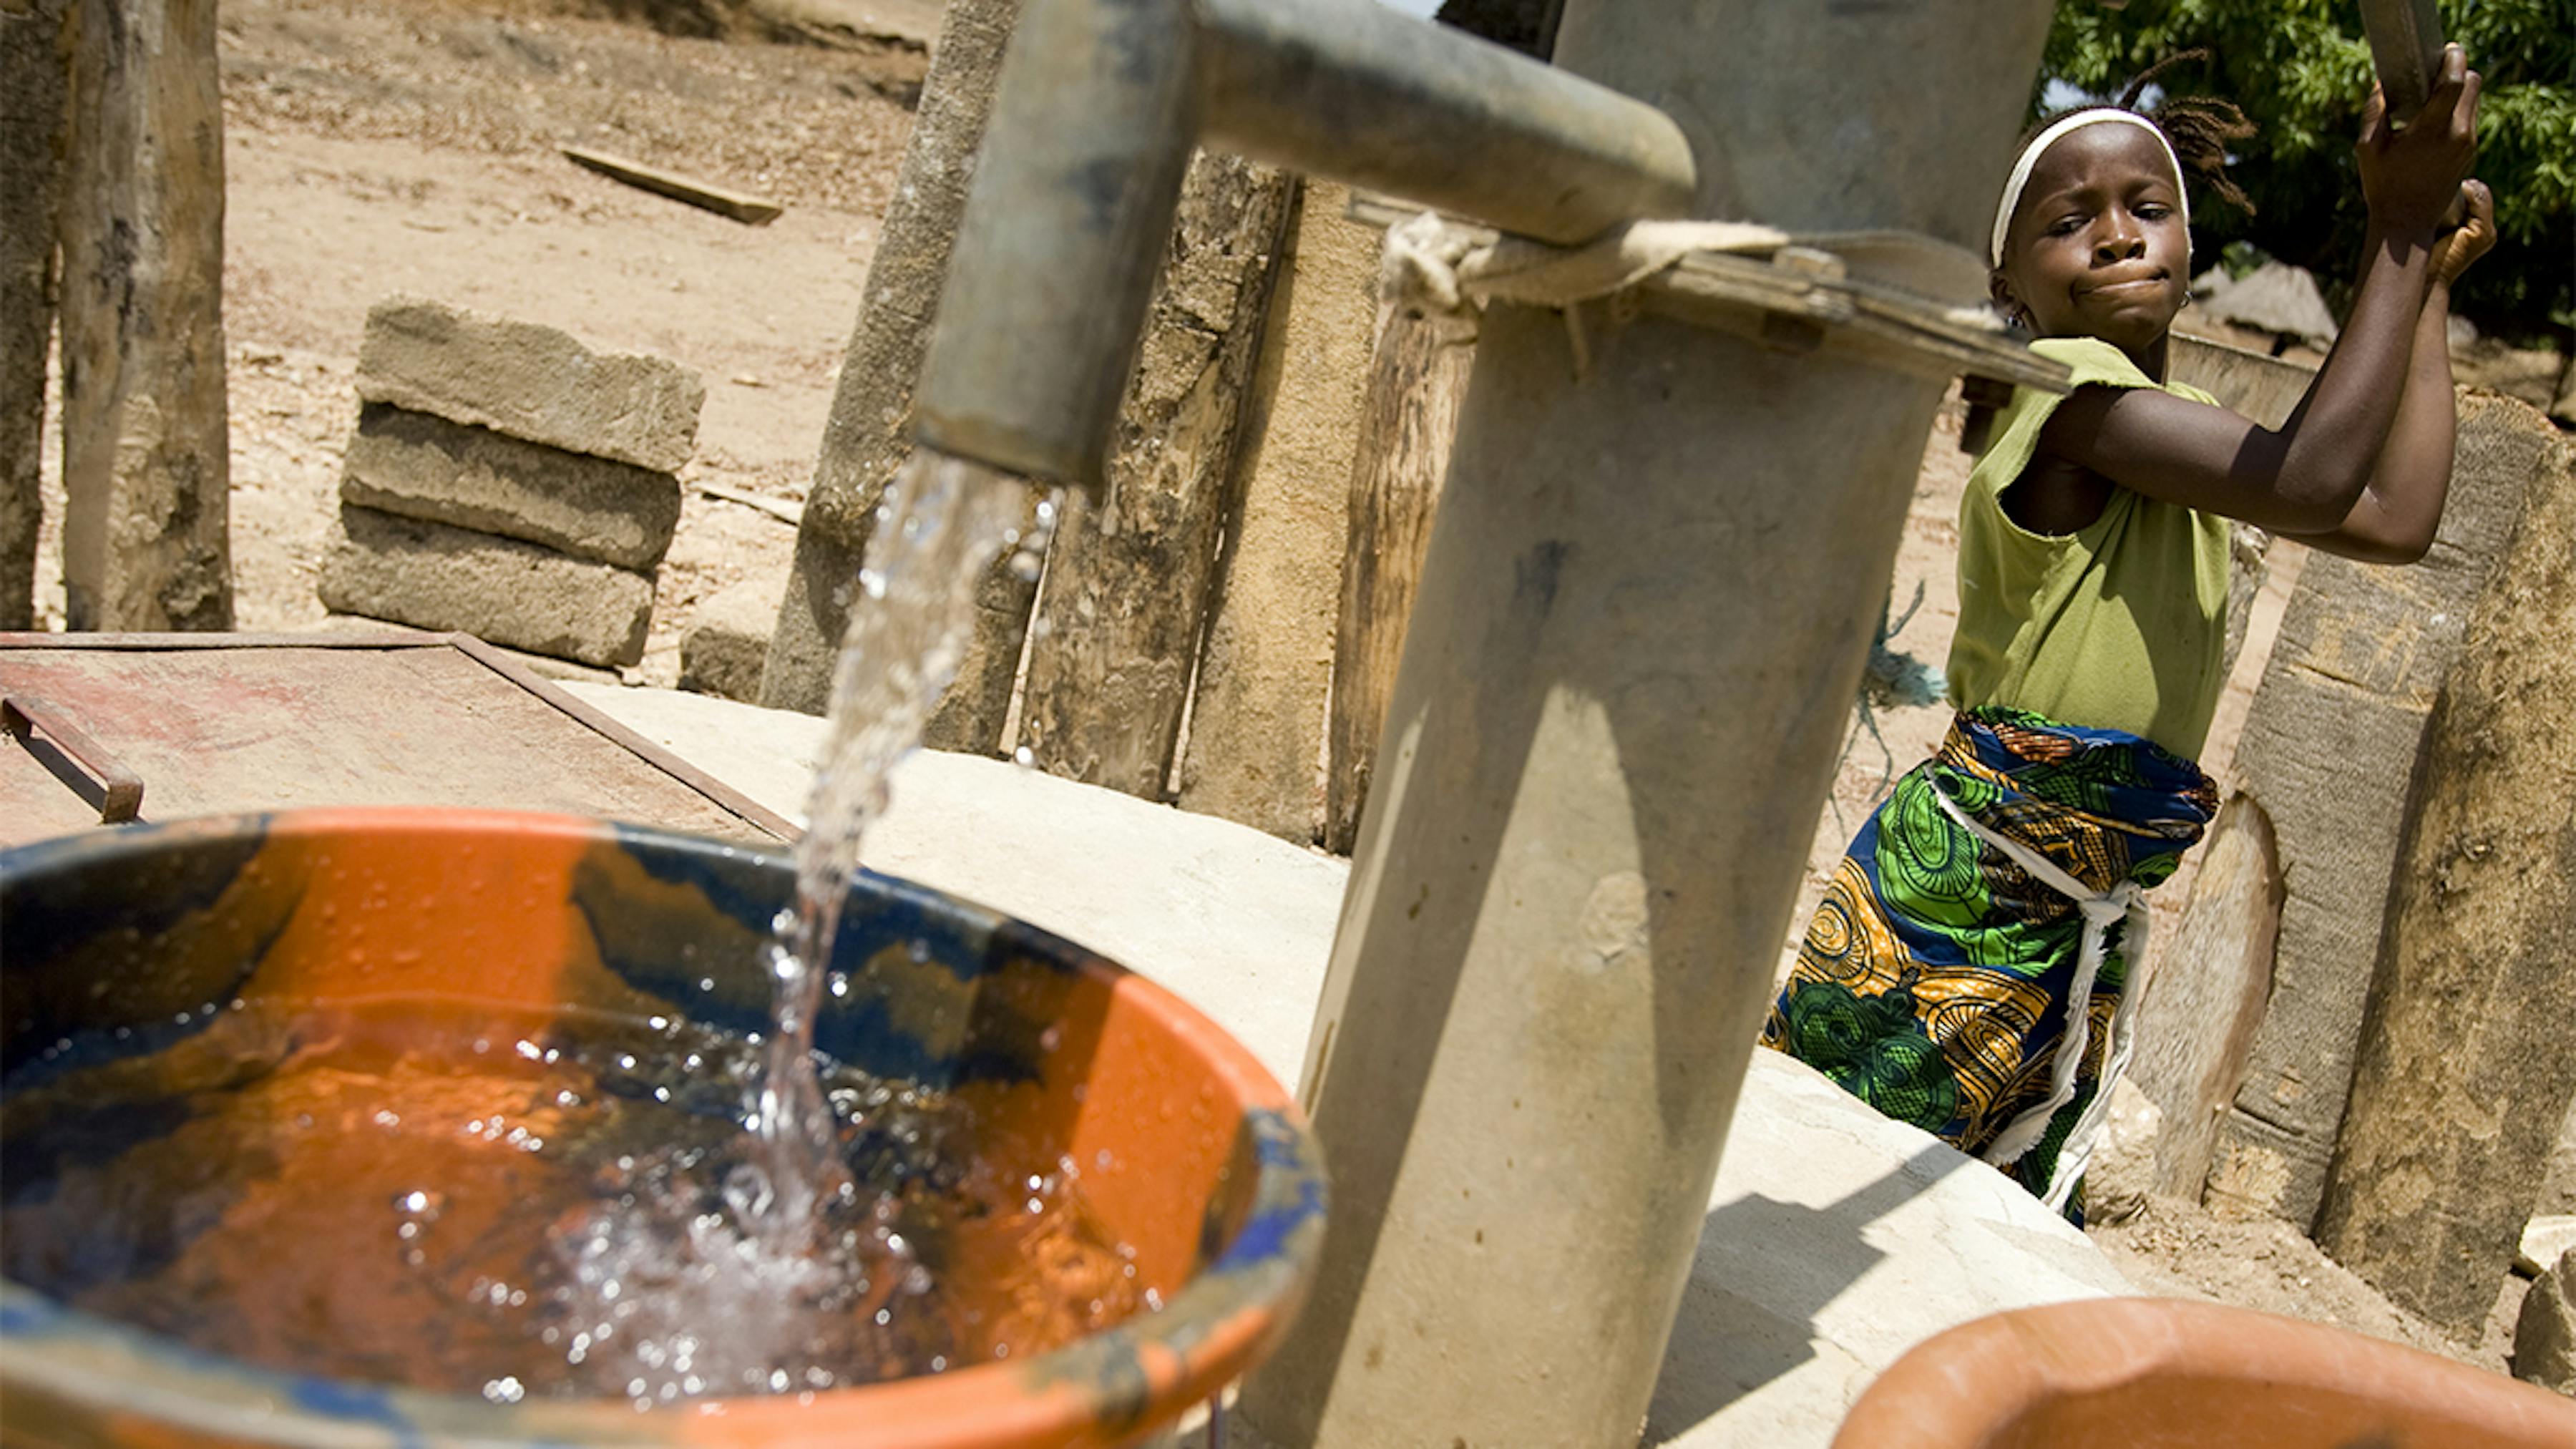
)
(2406, 50)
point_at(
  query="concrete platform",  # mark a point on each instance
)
(1835, 1239)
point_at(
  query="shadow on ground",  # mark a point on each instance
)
(1764, 1270)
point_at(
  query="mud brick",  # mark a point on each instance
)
(530, 382)
(425, 467)
(727, 644)
(432, 576)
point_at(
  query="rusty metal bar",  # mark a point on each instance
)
(120, 789)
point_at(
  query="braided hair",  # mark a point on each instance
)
(2200, 128)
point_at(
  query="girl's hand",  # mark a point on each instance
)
(2470, 239)
(2411, 177)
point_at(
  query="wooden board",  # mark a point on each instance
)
(742, 206)
(219, 726)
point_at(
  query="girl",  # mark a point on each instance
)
(1964, 971)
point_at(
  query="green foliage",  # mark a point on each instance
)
(2301, 70)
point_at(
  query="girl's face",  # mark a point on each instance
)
(2097, 247)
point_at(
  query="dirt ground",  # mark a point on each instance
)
(408, 146)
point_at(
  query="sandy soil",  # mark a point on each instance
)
(2181, 1250)
(409, 146)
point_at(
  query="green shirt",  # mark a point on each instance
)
(2118, 625)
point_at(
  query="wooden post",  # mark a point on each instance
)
(869, 434)
(2464, 1071)
(1257, 720)
(33, 73)
(2206, 994)
(1417, 381)
(145, 450)
(2334, 734)
(1127, 593)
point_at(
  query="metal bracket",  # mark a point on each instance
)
(1866, 288)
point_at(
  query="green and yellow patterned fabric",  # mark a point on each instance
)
(1936, 975)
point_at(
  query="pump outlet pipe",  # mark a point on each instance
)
(1099, 105)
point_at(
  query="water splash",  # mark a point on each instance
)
(528, 1225)
(721, 1215)
(787, 1227)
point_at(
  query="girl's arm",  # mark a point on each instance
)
(2307, 476)
(2400, 507)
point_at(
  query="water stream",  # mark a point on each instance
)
(796, 1229)
(942, 522)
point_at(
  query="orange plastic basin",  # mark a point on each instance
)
(2160, 1373)
(1216, 1184)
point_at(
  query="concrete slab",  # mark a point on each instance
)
(1835, 1239)
(1238, 922)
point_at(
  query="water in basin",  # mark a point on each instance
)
(453, 1202)
(694, 1214)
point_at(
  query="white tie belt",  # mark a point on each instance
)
(2124, 902)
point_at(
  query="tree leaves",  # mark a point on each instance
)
(2301, 69)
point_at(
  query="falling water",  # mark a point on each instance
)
(942, 522)
(796, 1236)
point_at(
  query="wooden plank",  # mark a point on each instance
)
(742, 206)
(356, 634)
(2463, 1074)
(1127, 591)
(2406, 51)
(778, 508)
(32, 116)
(2205, 998)
(1417, 383)
(1257, 721)
(600, 722)
(2331, 743)
(220, 731)
(146, 454)
(869, 433)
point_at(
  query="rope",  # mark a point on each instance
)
(1449, 273)
(2124, 903)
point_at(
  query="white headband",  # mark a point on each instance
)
(2039, 145)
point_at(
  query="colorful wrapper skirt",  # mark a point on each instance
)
(1965, 971)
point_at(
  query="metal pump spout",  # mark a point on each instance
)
(1099, 106)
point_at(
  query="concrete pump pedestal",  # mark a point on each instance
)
(1833, 1241)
